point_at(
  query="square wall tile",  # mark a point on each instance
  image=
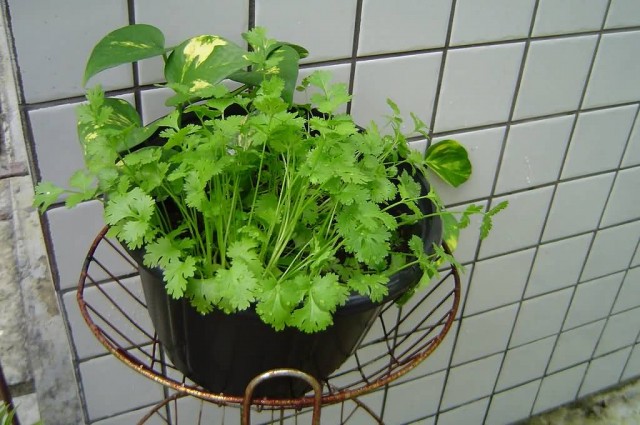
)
(483, 147)
(467, 414)
(624, 203)
(616, 72)
(424, 25)
(415, 399)
(629, 296)
(632, 154)
(477, 86)
(410, 81)
(324, 28)
(54, 40)
(621, 330)
(598, 141)
(520, 224)
(484, 334)
(72, 232)
(513, 405)
(577, 206)
(541, 316)
(153, 106)
(604, 372)
(623, 13)
(54, 131)
(461, 389)
(612, 250)
(632, 369)
(498, 281)
(85, 342)
(202, 18)
(562, 17)
(106, 378)
(533, 153)
(593, 300)
(509, 20)
(554, 76)
(559, 388)
(525, 363)
(575, 346)
(558, 264)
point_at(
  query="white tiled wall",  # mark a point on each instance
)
(544, 94)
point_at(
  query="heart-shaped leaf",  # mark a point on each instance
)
(203, 61)
(450, 161)
(123, 119)
(124, 45)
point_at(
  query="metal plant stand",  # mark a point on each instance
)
(112, 304)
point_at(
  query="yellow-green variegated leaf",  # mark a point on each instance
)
(450, 231)
(124, 45)
(123, 120)
(203, 61)
(450, 161)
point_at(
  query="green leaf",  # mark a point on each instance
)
(46, 194)
(124, 45)
(450, 230)
(325, 295)
(277, 301)
(203, 61)
(487, 220)
(161, 252)
(331, 96)
(450, 161)
(176, 275)
(372, 285)
(288, 59)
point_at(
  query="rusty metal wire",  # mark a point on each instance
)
(111, 303)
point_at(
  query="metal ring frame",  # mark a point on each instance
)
(114, 309)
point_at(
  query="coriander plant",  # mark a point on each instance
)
(245, 199)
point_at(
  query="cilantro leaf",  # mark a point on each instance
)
(324, 296)
(176, 275)
(161, 252)
(372, 285)
(487, 220)
(46, 194)
(278, 299)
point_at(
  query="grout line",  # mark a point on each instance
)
(490, 201)
(135, 68)
(251, 24)
(626, 363)
(456, 333)
(593, 236)
(336, 61)
(533, 119)
(626, 271)
(354, 51)
(443, 61)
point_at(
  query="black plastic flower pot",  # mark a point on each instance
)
(222, 353)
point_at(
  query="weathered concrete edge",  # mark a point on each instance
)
(47, 339)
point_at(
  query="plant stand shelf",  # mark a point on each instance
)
(111, 302)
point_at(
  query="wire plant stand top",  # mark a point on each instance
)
(111, 302)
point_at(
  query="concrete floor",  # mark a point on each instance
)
(618, 406)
